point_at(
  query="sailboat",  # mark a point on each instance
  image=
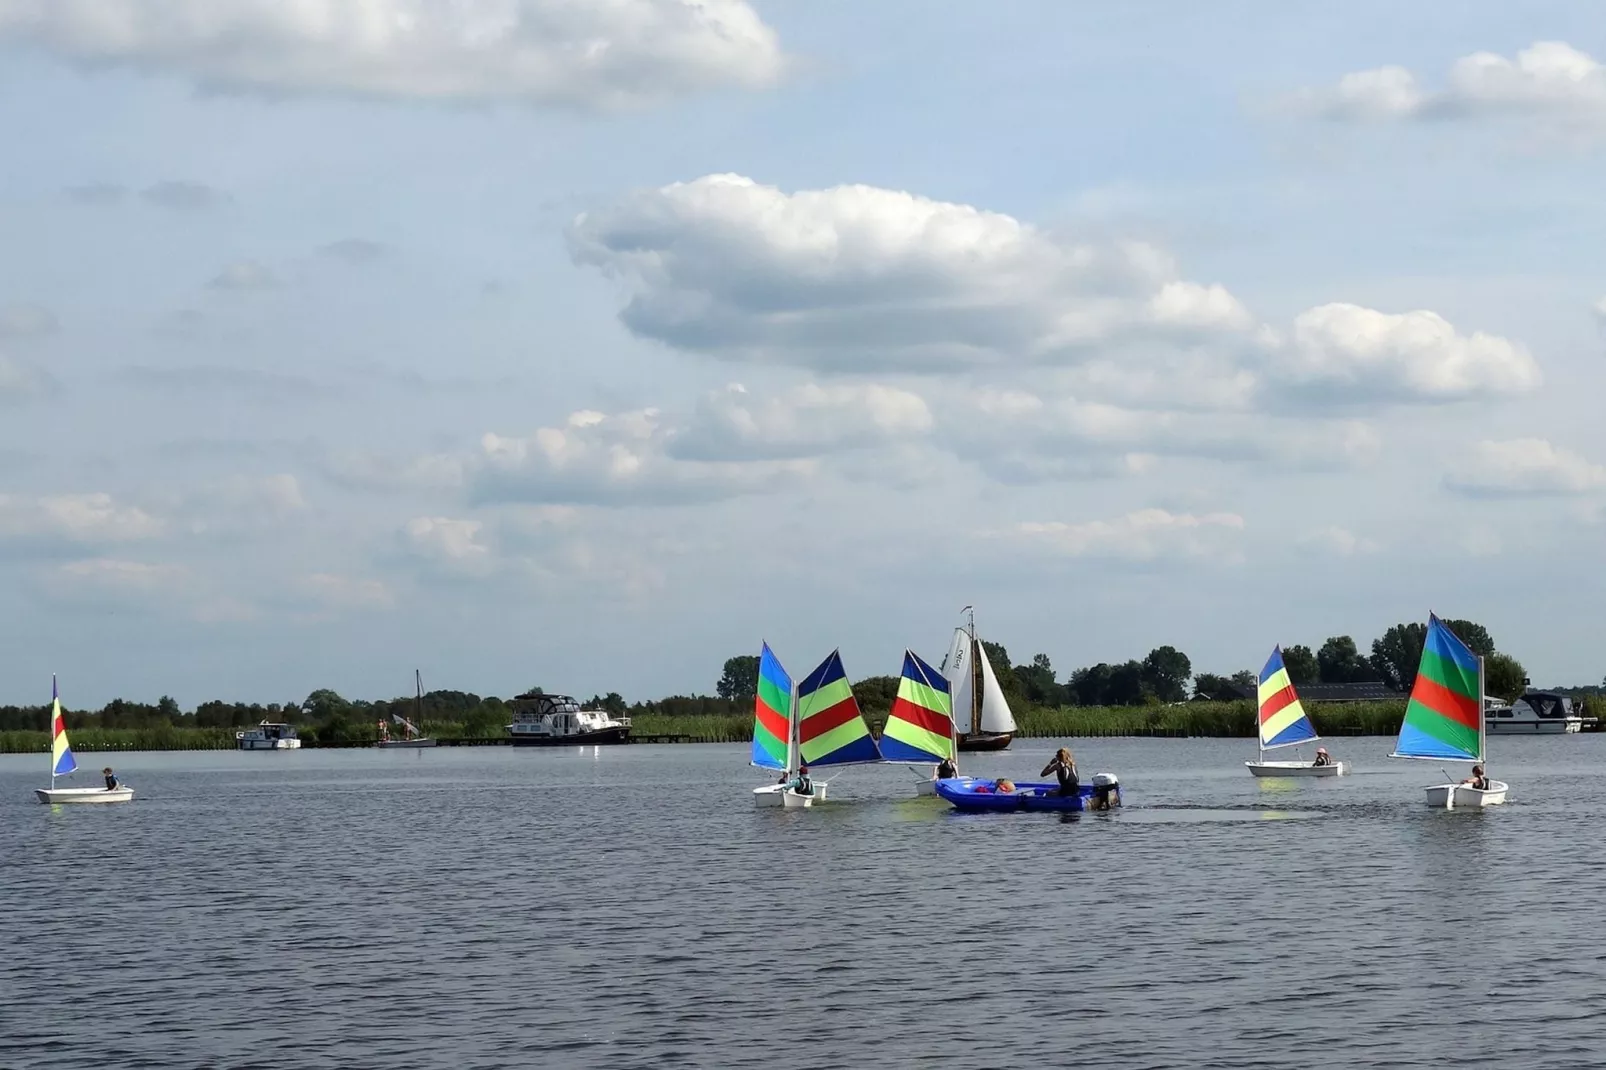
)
(1444, 718)
(414, 736)
(63, 764)
(822, 726)
(978, 701)
(1282, 722)
(920, 724)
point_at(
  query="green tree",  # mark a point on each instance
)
(1396, 653)
(1037, 682)
(740, 678)
(1247, 679)
(1475, 635)
(1090, 686)
(1302, 666)
(1504, 676)
(1339, 661)
(1166, 671)
(875, 695)
(1128, 685)
(1004, 669)
(1209, 687)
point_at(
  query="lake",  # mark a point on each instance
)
(629, 907)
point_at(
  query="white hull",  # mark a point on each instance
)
(794, 801)
(1466, 798)
(777, 795)
(270, 744)
(1301, 769)
(1554, 727)
(389, 744)
(51, 796)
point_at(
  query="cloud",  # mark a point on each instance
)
(1524, 467)
(249, 383)
(27, 321)
(1599, 308)
(338, 592)
(1335, 542)
(542, 52)
(94, 578)
(1549, 80)
(356, 251)
(455, 547)
(244, 276)
(808, 421)
(366, 470)
(80, 519)
(859, 279)
(95, 194)
(184, 196)
(1145, 535)
(22, 380)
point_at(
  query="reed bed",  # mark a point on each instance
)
(160, 737)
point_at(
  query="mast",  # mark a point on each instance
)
(1482, 722)
(54, 713)
(975, 676)
(791, 735)
(418, 703)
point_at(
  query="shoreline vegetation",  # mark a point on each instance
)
(1159, 696)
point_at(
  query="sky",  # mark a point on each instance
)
(586, 345)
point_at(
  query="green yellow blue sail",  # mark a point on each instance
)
(61, 759)
(772, 712)
(831, 730)
(1282, 716)
(920, 725)
(1444, 717)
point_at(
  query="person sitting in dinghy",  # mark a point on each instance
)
(111, 780)
(1477, 779)
(946, 769)
(1064, 766)
(1321, 757)
(801, 783)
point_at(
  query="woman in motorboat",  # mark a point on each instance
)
(1477, 779)
(1322, 757)
(1064, 766)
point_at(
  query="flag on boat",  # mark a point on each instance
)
(831, 730)
(920, 726)
(1444, 717)
(772, 712)
(1282, 715)
(61, 759)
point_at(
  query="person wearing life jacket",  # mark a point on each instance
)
(946, 769)
(1477, 779)
(1321, 757)
(1064, 766)
(801, 783)
(111, 779)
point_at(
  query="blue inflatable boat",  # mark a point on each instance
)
(965, 793)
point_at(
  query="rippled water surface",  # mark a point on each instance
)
(629, 907)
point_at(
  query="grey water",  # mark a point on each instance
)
(622, 907)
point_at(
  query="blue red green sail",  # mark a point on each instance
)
(831, 729)
(1444, 717)
(772, 712)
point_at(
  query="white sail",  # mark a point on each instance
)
(995, 715)
(956, 666)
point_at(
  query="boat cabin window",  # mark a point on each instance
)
(1502, 713)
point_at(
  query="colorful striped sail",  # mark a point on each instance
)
(1282, 716)
(1444, 717)
(920, 726)
(772, 712)
(61, 759)
(830, 728)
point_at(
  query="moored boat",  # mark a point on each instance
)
(982, 714)
(542, 720)
(1444, 718)
(1281, 722)
(62, 763)
(1536, 713)
(414, 736)
(269, 735)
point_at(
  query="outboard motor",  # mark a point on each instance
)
(1106, 791)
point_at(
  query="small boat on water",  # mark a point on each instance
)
(983, 796)
(542, 720)
(1536, 713)
(823, 727)
(269, 735)
(976, 697)
(1281, 722)
(1444, 718)
(414, 736)
(62, 763)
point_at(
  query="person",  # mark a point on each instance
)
(1477, 779)
(1006, 786)
(801, 783)
(946, 770)
(1321, 757)
(1064, 766)
(111, 780)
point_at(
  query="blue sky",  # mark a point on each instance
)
(331, 347)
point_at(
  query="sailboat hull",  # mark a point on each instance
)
(53, 796)
(1466, 797)
(1297, 769)
(389, 744)
(985, 740)
(776, 794)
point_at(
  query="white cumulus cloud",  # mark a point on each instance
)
(602, 53)
(1334, 541)
(453, 546)
(81, 519)
(1144, 535)
(805, 422)
(1524, 467)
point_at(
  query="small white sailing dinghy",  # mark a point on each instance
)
(1281, 722)
(775, 734)
(63, 764)
(920, 725)
(414, 737)
(1444, 718)
(975, 697)
(826, 727)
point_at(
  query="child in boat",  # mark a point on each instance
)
(1477, 779)
(1064, 766)
(1321, 757)
(801, 783)
(111, 781)
(946, 770)
(1005, 786)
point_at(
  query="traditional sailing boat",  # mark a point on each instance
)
(62, 764)
(977, 698)
(1444, 717)
(822, 726)
(414, 736)
(920, 724)
(1282, 723)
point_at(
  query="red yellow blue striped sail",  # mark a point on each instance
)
(1282, 716)
(920, 726)
(1444, 717)
(830, 728)
(61, 759)
(772, 712)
